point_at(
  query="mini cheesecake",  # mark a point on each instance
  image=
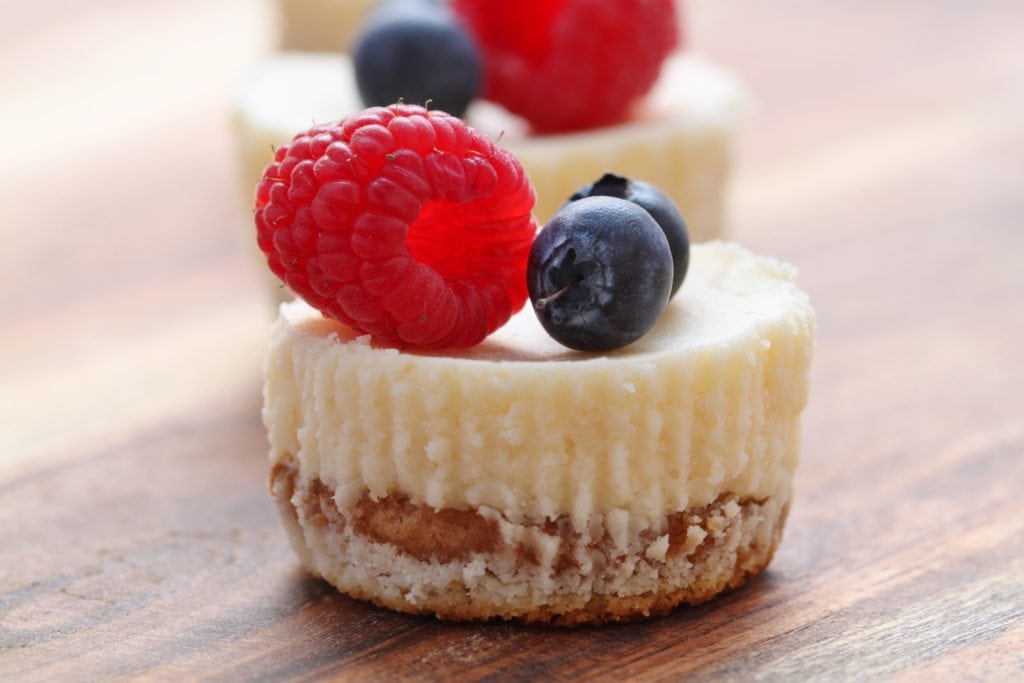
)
(678, 137)
(522, 480)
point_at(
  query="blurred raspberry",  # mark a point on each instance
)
(570, 64)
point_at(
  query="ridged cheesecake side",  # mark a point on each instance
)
(594, 483)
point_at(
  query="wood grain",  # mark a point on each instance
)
(136, 536)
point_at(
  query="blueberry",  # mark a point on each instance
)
(599, 274)
(656, 203)
(415, 51)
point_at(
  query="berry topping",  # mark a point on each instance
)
(402, 223)
(417, 51)
(570, 64)
(599, 274)
(662, 209)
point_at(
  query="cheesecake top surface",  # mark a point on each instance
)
(726, 294)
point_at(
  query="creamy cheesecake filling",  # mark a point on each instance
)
(707, 403)
(519, 479)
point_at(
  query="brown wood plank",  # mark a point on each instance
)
(136, 536)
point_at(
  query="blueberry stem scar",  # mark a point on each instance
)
(541, 304)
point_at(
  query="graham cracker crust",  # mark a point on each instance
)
(476, 565)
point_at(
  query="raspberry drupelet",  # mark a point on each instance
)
(402, 223)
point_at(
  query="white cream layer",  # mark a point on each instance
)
(705, 404)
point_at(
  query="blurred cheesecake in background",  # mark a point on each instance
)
(679, 137)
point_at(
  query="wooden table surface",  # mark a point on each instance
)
(885, 159)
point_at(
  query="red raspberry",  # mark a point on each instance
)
(570, 64)
(402, 223)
